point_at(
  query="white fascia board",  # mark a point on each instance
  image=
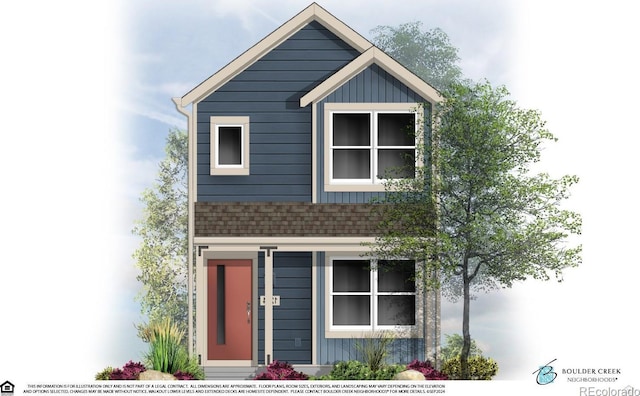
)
(370, 56)
(286, 244)
(277, 37)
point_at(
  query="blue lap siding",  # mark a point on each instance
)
(269, 93)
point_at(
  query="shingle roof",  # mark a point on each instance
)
(279, 219)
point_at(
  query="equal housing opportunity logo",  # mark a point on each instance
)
(7, 388)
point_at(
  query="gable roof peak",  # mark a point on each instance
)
(367, 58)
(314, 12)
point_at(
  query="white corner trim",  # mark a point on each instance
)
(191, 136)
(370, 56)
(277, 37)
(314, 153)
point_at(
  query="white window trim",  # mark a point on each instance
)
(339, 331)
(373, 184)
(229, 170)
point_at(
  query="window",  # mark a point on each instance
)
(229, 146)
(368, 143)
(370, 295)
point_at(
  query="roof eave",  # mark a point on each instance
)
(377, 56)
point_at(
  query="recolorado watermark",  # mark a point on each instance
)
(593, 391)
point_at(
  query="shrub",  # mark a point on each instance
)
(453, 347)
(189, 367)
(429, 372)
(281, 371)
(129, 371)
(180, 375)
(356, 370)
(167, 353)
(350, 370)
(374, 350)
(480, 368)
(165, 350)
(104, 374)
(388, 372)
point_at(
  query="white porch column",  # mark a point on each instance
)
(268, 306)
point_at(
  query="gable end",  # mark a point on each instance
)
(312, 13)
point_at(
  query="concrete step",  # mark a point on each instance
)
(230, 373)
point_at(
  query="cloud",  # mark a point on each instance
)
(244, 10)
(172, 121)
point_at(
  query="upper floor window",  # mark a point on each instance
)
(229, 146)
(366, 144)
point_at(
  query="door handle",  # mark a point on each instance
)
(248, 312)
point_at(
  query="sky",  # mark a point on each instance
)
(87, 107)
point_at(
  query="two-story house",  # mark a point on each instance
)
(287, 145)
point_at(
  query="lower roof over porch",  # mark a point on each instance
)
(286, 219)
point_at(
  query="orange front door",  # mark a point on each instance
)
(229, 310)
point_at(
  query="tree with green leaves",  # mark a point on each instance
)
(429, 54)
(475, 215)
(162, 254)
(453, 347)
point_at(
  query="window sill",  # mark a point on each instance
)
(229, 172)
(403, 332)
(361, 188)
(354, 188)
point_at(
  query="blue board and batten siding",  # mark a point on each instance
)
(332, 350)
(269, 93)
(292, 318)
(372, 85)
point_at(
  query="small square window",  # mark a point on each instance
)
(351, 164)
(352, 129)
(351, 276)
(396, 276)
(229, 146)
(351, 310)
(397, 310)
(396, 163)
(397, 129)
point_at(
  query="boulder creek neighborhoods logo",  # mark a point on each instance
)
(586, 376)
(545, 374)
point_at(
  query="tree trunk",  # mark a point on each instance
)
(466, 336)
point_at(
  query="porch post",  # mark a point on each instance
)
(268, 305)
